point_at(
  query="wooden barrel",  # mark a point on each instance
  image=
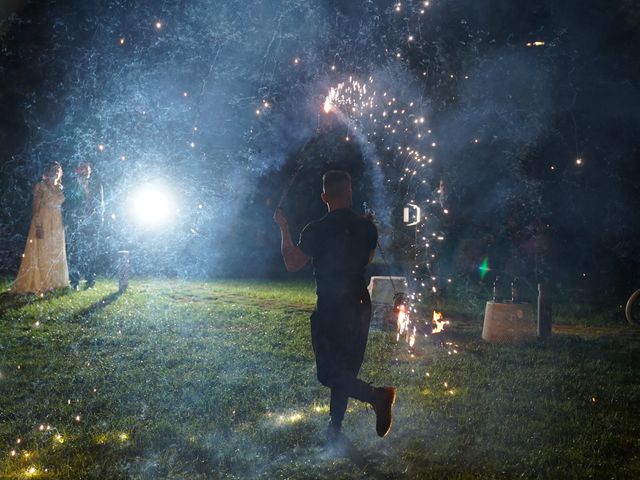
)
(508, 323)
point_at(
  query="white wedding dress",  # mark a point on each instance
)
(44, 261)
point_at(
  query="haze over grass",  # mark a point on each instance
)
(216, 380)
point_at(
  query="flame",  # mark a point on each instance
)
(438, 322)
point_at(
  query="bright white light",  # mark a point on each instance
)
(151, 206)
(327, 104)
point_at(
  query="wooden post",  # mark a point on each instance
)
(544, 311)
(123, 270)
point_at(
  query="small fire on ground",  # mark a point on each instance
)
(407, 329)
(438, 322)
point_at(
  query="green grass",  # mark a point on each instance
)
(190, 380)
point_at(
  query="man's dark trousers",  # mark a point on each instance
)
(83, 251)
(339, 332)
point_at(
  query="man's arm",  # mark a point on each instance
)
(294, 258)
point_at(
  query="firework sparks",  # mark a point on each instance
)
(403, 321)
(380, 119)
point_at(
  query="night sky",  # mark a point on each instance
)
(514, 125)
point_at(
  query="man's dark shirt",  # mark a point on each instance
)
(83, 208)
(339, 244)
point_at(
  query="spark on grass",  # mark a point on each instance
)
(287, 419)
(324, 408)
(31, 471)
(293, 418)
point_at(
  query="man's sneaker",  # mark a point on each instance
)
(383, 400)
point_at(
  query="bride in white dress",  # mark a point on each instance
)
(44, 262)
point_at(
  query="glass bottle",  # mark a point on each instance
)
(515, 290)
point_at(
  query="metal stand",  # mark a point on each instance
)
(544, 311)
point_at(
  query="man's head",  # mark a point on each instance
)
(83, 170)
(336, 189)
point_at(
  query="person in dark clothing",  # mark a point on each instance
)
(84, 212)
(340, 245)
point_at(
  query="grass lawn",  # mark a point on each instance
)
(190, 380)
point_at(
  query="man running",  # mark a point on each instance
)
(340, 245)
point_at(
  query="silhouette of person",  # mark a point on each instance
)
(340, 245)
(85, 215)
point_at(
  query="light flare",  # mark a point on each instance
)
(151, 206)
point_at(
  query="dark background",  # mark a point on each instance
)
(70, 84)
